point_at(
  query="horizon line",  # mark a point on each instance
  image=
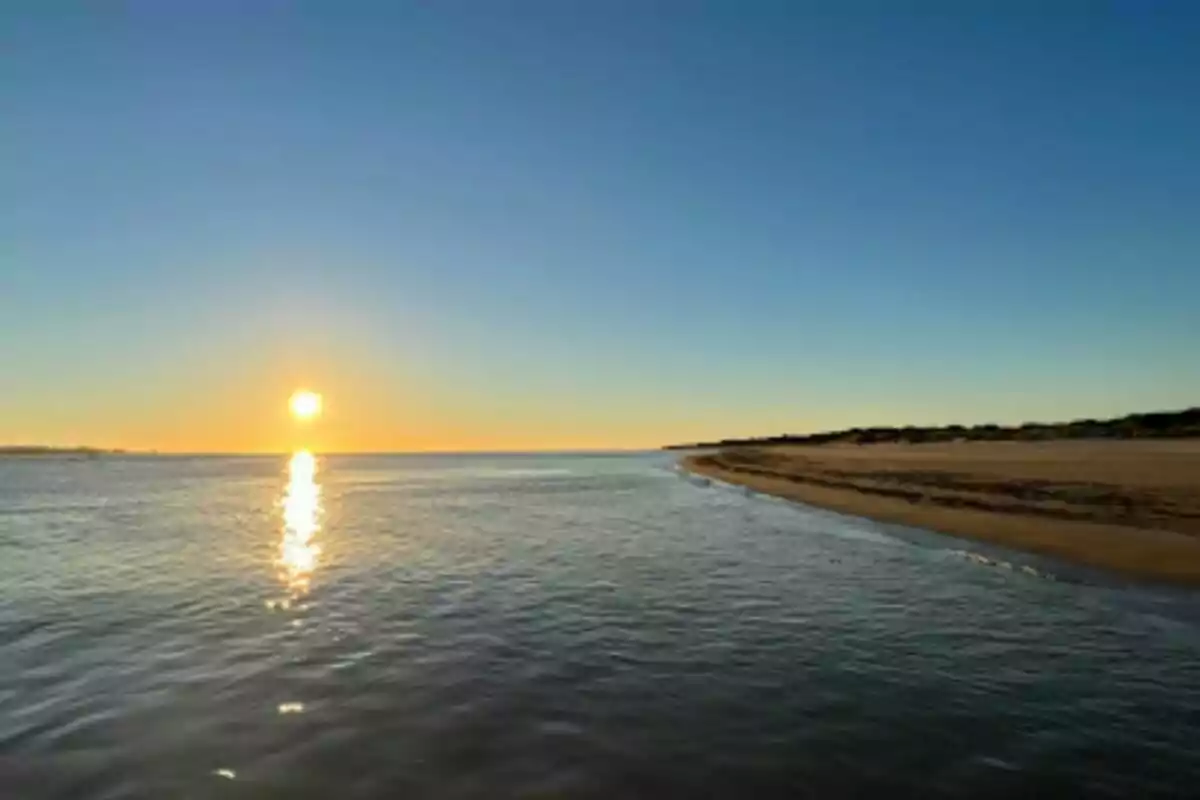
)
(118, 451)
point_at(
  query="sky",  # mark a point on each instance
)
(537, 224)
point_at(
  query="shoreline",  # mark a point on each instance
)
(1127, 508)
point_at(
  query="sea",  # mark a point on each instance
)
(553, 626)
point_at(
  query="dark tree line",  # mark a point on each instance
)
(1159, 424)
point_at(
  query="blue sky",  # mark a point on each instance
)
(554, 224)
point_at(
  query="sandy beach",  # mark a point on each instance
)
(1132, 507)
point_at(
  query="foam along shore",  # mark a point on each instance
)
(1132, 507)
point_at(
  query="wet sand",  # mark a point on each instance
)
(1128, 506)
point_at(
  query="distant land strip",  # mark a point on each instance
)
(44, 450)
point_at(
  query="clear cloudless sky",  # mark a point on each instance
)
(508, 224)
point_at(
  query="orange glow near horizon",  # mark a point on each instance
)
(240, 401)
(250, 411)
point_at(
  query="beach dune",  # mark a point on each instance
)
(1131, 506)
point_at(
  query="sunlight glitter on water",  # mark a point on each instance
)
(298, 553)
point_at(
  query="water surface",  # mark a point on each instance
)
(550, 626)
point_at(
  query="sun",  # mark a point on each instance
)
(305, 404)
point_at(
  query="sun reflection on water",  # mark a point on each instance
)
(298, 554)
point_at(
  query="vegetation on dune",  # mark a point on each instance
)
(1161, 424)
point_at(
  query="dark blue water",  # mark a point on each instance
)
(551, 627)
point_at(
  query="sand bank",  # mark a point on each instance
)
(1128, 506)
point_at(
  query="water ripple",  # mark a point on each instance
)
(553, 626)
